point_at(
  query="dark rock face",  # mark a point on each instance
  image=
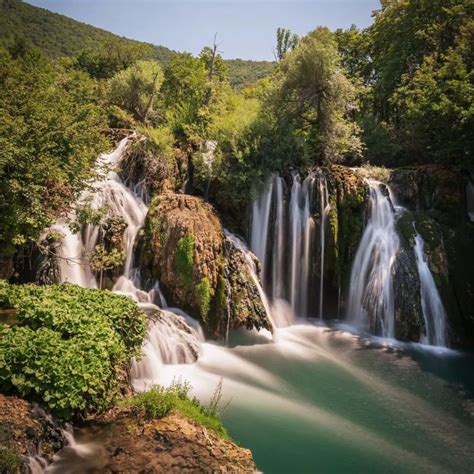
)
(245, 307)
(409, 321)
(437, 198)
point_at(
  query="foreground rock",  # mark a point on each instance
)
(25, 431)
(172, 444)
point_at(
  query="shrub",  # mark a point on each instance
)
(70, 345)
(157, 402)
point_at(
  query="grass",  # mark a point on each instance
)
(157, 402)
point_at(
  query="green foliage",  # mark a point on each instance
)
(286, 41)
(102, 259)
(315, 93)
(184, 90)
(70, 345)
(157, 402)
(111, 57)
(203, 295)
(48, 152)
(184, 259)
(243, 73)
(136, 89)
(422, 77)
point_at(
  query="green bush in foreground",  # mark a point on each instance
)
(157, 402)
(69, 346)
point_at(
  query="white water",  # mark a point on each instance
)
(371, 296)
(432, 306)
(291, 243)
(108, 192)
(260, 225)
(324, 207)
(278, 262)
(470, 200)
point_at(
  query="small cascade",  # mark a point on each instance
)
(260, 225)
(171, 339)
(324, 208)
(431, 304)
(110, 193)
(470, 200)
(371, 296)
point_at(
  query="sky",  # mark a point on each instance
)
(245, 28)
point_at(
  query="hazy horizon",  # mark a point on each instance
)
(245, 29)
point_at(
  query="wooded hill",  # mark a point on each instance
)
(58, 35)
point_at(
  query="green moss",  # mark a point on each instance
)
(203, 295)
(10, 460)
(184, 259)
(221, 293)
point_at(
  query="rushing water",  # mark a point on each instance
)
(325, 207)
(432, 306)
(371, 297)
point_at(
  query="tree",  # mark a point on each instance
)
(320, 98)
(184, 89)
(51, 131)
(113, 56)
(286, 41)
(136, 89)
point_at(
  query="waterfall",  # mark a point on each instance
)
(324, 207)
(278, 262)
(173, 337)
(260, 225)
(470, 200)
(291, 244)
(431, 304)
(107, 192)
(371, 296)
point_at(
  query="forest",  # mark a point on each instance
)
(284, 153)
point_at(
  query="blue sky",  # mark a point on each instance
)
(245, 28)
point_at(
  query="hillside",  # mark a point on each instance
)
(58, 35)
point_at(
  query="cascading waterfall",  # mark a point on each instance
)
(324, 207)
(260, 225)
(291, 243)
(371, 296)
(431, 304)
(278, 257)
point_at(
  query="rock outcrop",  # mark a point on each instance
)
(182, 246)
(172, 444)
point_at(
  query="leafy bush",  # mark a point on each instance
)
(157, 402)
(70, 345)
